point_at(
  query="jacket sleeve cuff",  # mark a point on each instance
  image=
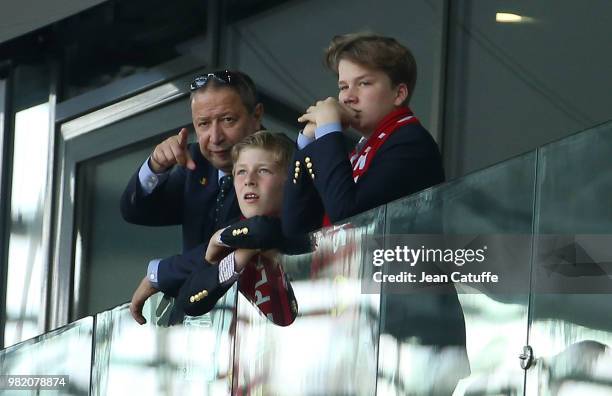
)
(303, 140)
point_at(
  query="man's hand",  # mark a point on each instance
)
(142, 293)
(170, 152)
(328, 111)
(216, 250)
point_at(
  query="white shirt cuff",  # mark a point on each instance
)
(152, 272)
(149, 179)
(227, 272)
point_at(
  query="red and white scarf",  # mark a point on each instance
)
(264, 284)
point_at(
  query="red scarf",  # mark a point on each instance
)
(360, 161)
(263, 283)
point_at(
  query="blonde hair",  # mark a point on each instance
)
(278, 144)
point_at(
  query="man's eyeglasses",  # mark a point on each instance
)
(222, 76)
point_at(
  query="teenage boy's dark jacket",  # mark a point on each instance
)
(409, 161)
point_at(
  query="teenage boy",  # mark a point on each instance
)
(208, 271)
(395, 157)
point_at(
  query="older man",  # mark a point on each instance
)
(191, 184)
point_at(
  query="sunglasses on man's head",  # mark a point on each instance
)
(222, 76)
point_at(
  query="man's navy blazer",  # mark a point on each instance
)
(185, 198)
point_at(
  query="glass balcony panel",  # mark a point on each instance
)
(194, 358)
(331, 347)
(570, 326)
(440, 338)
(65, 351)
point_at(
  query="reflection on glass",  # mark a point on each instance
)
(438, 341)
(331, 347)
(194, 358)
(571, 330)
(265, 284)
(334, 348)
(25, 278)
(581, 368)
(66, 351)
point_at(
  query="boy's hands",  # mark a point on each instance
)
(309, 130)
(216, 249)
(328, 111)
